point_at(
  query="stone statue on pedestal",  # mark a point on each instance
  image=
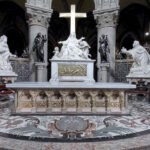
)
(5, 53)
(141, 57)
(39, 46)
(104, 49)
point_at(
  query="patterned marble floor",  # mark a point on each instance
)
(77, 128)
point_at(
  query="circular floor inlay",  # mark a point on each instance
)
(71, 124)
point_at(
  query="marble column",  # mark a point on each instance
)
(39, 13)
(106, 16)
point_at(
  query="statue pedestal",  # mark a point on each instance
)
(40, 68)
(72, 71)
(7, 76)
(143, 87)
(104, 70)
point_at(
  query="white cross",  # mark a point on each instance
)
(73, 15)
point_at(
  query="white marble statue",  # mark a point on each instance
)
(141, 57)
(72, 49)
(4, 55)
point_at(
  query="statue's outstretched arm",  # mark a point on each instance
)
(60, 42)
(127, 52)
(12, 55)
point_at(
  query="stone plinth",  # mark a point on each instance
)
(7, 76)
(143, 86)
(136, 80)
(40, 68)
(104, 70)
(72, 71)
(65, 98)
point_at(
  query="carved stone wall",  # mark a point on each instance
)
(74, 101)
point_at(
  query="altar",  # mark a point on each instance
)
(66, 98)
(72, 88)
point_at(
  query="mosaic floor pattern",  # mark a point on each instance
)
(77, 128)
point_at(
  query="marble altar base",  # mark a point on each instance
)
(72, 71)
(76, 98)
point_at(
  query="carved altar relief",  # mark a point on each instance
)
(115, 101)
(49, 94)
(72, 70)
(84, 104)
(26, 101)
(71, 100)
(55, 104)
(99, 103)
(41, 102)
(71, 103)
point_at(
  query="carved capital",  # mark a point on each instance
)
(39, 17)
(108, 19)
(46, 4)
(106, 4)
